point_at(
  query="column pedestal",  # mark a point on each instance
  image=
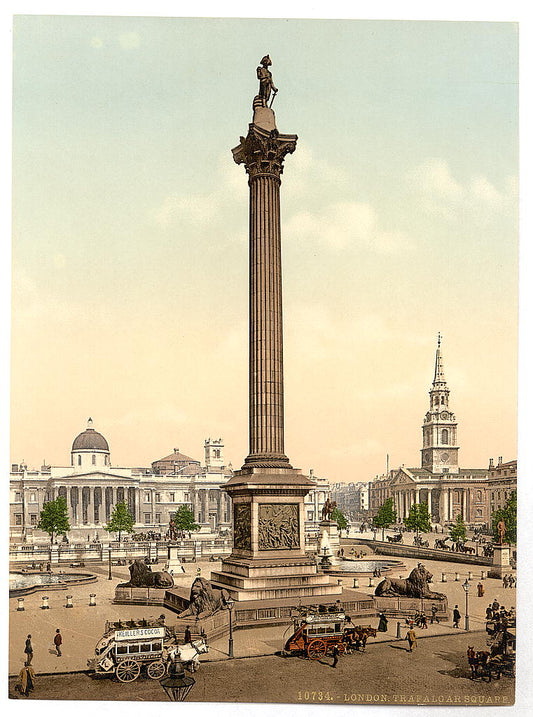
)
(500, 562)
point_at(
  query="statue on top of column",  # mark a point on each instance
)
(266, 85)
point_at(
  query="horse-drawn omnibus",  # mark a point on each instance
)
(127, 649)
(317, 632)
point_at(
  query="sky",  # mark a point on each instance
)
(130, 221)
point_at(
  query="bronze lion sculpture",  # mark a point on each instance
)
(141, 576)
(415, 586)
(204, 599)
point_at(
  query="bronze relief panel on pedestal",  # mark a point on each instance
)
(242, 526)
(279, 526)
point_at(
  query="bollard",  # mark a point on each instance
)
(20, 606)
(69, 601)
(398, 631)
(339, 582)
(355, 583)
(370, 582)
(443, 577)
(45, 605)
(92, 600)
(470, 577)
(483, 575)
(457, 576)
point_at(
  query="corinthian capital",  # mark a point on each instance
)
(263, 152)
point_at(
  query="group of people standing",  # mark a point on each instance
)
(27, 673)
(509, 581)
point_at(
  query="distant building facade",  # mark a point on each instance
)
(502, 482)
(92, 486)
(352, 499)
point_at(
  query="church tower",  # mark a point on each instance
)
(439, 431)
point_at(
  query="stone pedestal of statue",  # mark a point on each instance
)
(500, 562)
(173, 564)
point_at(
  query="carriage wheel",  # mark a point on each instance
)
(128, 670)
(156, 670)
(341, 647)
(316, 649)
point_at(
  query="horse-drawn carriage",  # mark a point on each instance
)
(317, 632)
(398, 538)
(125, 650)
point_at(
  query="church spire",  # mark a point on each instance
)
(439, 368)
(439, 431)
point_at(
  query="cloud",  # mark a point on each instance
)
(96, 42)
(346, 225)
(439, 192)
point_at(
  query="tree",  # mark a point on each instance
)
(508, 515)
(121, 519)
(458, 531)
(385, 516)
(54, 518)
(184, 519)
(339, 518)
(418, 518)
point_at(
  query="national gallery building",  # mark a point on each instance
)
(448, 489)
(92, 486)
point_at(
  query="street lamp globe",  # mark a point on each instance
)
(177, 685)
(466, 586)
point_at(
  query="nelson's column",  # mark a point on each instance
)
(268, 558)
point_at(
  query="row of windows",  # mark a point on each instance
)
(93, 460)
(34, 519)
(157, 497)
(136, 648)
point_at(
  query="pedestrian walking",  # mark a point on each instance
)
(434, 616)
(58, 641)
(456, 616)
(335, 654)
(495, 606)
(188, 636)
(411, 638)
(488, 613)
(505, 581)
(27, 679)
(423, 621)
(480, 590)
(383, 623)
(28, 650)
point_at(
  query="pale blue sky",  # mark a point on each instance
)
(130, 223)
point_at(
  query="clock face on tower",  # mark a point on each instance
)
(444, 457)
(444, 415)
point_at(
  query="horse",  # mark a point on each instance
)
(395, 538)
(478, 659)
(189, 653)
(440, 544)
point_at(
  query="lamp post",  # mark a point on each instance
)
(466, 588)
(229, 604)
(177, 685)
(109, 576)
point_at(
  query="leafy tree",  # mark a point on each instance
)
(385, 516)
(458, 531)
(184, 519)
(121, 519)
(54, 518)
(508, 515)
(339, 518)
(418, 518)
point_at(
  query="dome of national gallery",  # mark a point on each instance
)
(90, 440)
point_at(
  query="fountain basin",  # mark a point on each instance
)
(26, 583)
(345, 566)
